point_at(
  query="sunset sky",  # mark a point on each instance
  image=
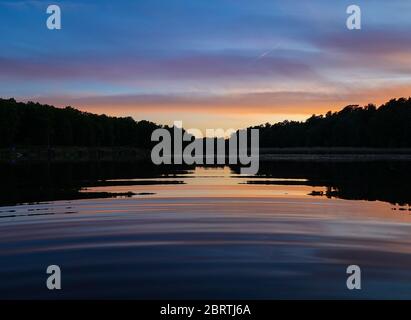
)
(210, 63)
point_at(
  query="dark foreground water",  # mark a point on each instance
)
(211, 233)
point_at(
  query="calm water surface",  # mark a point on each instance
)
(208, 233)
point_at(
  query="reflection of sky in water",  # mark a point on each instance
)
(211, 237)
(211, 182)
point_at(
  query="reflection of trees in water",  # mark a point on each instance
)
(63, 181)
(372, 181)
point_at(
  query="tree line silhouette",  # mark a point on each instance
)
(34, 124)
(388, 126)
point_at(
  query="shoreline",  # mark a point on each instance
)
(72, 154)
(130, 154)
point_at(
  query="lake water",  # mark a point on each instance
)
(212, 233)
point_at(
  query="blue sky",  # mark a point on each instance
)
(214, 63)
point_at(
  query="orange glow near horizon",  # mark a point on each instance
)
(232, 111)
